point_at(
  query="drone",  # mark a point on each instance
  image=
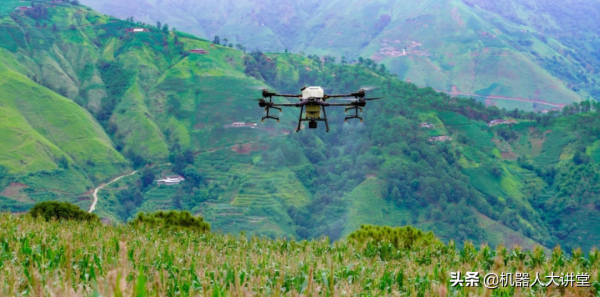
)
(314, 100)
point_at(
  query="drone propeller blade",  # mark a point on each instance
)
(258, 88)
(369, 88)
(376, 98)
(259, 99)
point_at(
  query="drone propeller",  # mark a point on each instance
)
(258, 88)
(369, 88)
(367, 99)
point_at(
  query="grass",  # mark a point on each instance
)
(374, 210)
(553, 147)
(38, 131)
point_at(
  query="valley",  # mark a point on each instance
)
(85, 99)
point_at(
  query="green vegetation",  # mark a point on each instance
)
(176, 220)
(61, 211)
(41, 258)
(400, 237)
(101, 100)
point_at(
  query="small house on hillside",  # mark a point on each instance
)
(170, 180)
(501, 122)
(136, 30)
(198, 51)
(439, 138)
(241, 125)
(22, 8)
(426, 125)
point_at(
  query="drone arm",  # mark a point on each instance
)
(340, 104)
(287, 104)
(287, 95)
(338, 96)
(301, 103)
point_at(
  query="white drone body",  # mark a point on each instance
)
(313, 92)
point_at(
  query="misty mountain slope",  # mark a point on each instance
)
(500, 52)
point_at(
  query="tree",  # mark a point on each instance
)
(75, 2)
(158, 25)
(137, 160)
(176, 220)
(165, 28)
(581, 158)
(63, 162)
(585, 106)
(177, 201)
(148, 177)
(50, 210)
(193, 177)
(395, 195)
(37, 13)
(406, 237)
(3, 173)
(217, 40)
(496, 171)
(188, 156)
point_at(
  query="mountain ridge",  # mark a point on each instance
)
(473, 46)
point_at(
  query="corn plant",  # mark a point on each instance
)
(67, 258)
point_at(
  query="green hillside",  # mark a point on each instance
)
(85, 100)
(527, 55)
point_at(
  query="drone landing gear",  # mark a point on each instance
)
(268, 116)
(355, 116)
(326, 123)
(300, 119)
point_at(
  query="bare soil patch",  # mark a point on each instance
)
(246, 148)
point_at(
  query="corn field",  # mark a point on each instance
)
(40, 258)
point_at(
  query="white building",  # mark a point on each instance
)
(239, 124)
(170, 180)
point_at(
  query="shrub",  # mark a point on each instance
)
(172, 220)
(61, 211)
(406, 237)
